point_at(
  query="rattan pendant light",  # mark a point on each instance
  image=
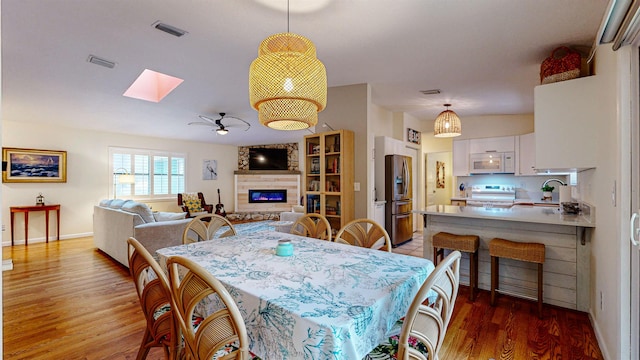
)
(447, 124)
(287, 83)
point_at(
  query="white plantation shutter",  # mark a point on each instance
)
(160, 175)
(157, 174)
(142, 173)
(177, 175)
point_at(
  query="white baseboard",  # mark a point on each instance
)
(596, 330)
(51, 238)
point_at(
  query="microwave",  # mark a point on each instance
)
(492, 163)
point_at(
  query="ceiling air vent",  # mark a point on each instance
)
(169, 29)
(100, 61)
(430, 92)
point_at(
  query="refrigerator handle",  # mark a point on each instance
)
(405, 177)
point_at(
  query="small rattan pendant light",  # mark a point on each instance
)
(287, 83)
(447, 124)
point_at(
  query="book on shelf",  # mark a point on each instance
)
(315, 166)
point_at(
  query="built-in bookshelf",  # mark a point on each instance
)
(328, 176)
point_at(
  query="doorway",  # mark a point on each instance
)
(438, 179)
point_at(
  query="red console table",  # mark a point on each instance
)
(26, 210)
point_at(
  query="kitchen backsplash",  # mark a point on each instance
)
(527, 187)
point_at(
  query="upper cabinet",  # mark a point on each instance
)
(495, 144)
(460, 157)
(526, 154)
(565, 113)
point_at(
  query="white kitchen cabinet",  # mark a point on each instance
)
(564, 116)
(526, 154)
(379, 211)
(494, 144)
(460, 158)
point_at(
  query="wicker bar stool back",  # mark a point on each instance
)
(463, 243)
(528, 252)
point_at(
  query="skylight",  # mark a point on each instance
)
(152, 86)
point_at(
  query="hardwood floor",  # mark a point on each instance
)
(66, 300)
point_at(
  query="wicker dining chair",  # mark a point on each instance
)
(205, 227)
(154, 294)
(364, 233)
(222, 332)
(424, 327)
(312, 225)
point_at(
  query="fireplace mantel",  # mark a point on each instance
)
(266, 172)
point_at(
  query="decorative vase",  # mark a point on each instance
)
(546, 195)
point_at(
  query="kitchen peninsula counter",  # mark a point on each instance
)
(566, 238)
(524, 213)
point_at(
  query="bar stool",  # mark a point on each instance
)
(529, 252)
(463, 243)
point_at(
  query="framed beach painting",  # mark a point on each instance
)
(32, 165)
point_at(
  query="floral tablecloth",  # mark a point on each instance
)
(327, 301)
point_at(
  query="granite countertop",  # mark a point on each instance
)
(532, 214)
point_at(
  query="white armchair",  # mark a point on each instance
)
(293, 215)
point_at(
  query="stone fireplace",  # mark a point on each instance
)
(268, 183)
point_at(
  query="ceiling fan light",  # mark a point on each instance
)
(222, 131)
(447, 124)
(287, 83)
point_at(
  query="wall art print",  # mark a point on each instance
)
(209, 170)
(413, 136)
(440, 175)
(33, 165)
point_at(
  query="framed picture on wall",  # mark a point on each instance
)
(33, 165)
(413, 136)
(209, 169)
(440, 177)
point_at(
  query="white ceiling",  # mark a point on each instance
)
(484, 55)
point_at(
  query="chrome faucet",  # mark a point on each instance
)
(556, 180)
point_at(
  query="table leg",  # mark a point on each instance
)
(12, 213)
(26, 228)
(46, 224)
(58, 222)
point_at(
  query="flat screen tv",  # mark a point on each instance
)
(268, 159)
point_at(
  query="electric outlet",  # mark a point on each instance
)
(356, 186)
(2, 227)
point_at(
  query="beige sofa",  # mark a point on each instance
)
(114, 221)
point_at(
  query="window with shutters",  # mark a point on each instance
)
(141, 173)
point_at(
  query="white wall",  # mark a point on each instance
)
(88, 175)
(347, 108)
(608, 248)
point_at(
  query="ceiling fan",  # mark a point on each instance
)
(222, 124)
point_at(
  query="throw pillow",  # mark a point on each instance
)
(141, 209)
(105, 203)
(192, 202)
(116, 203)
(167, 216)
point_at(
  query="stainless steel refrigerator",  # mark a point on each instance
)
(398, 194)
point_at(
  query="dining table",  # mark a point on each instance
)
(325, 301)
